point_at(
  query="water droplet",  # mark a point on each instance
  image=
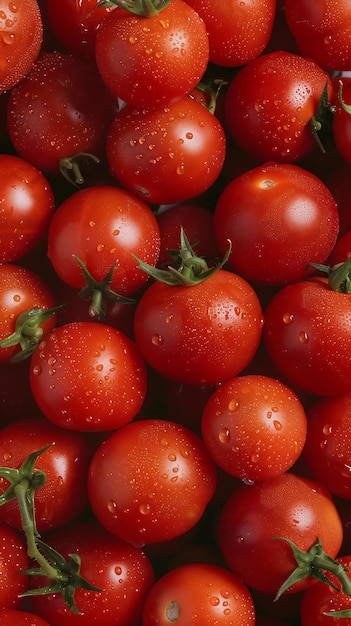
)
(224, 593)
(100, 247)
(8, 38)
(157, 340)
(169, 319)
(91, 223)
(226, 612)
(327, 429)
(112, 506)
(180, 170)
(16, 297)
(233, 405)
(224, 435)
(172, 457)
(277, 425)
(144, 509)
(100, 367)
(240, 539)
(288, 318)
(133, 39)
(255, 457)
(303, 337)
(7, 456)
(214, 601)
(36, 370)
(118, 570)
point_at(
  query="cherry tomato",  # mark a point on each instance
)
(203, 334)
(284, 215)
(152, 60)
(166, 155)
(270, 104)
(322, 598)
(21, 29)
(307, 336)
(13, 559)
(200, 594)
(88, 376)
(27, 204)
(160, 486)
(288, 506)
(254, 427)
(16, 617)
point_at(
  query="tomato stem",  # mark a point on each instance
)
(143, 8)
(339, 276)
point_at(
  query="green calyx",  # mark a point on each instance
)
(28, 331)
(71, 167)
(321, 122)
(143, 8)
(187, 269)
(339, 276)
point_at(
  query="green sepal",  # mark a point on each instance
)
(345, 613)
(321, 122)
(339, 275)
(142, 8)
(35, 478)
(70, 168)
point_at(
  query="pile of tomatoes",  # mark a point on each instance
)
(175, 319)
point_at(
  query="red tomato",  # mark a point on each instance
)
(122, 226)
(122, 571)
(21, 290)
(307, 336)
(160, 486)
(254, 427)
(322, 598)
(13, 559)
(61, 108)
(15, 617)
(287, 506)
(166, 155)
(27, 204)
(65, 463)
(154, 59)
(200, 594)
(87, 376)
(270, 104)
(342, 249)
(203, 334)
(21, 29)
(238, 31)
(321, 32)
(284, 215)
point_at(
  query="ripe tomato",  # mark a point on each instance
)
(13, 559)
(320, 31)
(203, 334)
(21, 290)
(284, 215)
(88, 376)
(16, 617)
(307, 336)
(254, 427)
(322, 598)
(160, 486)
(21, 29)
(123, 572)
(288, 506)
(155, 59)
(201, 594)
(27, 204)
(166, 155)
(238, 31)
(65, 463)
(270, 104)
(122, 226)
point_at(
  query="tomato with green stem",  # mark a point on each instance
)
(326, 605)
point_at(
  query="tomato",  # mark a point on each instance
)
(342, 249)
(254, 427)
(322, 598)
(21, 29)
(152, 60)
(122, 571)
(88, 376)
(166, 155)
(288, 506)
(320, 30)
(124, 225)
(27, 204)
(270, 104)
(202, 334)
(13, 559)
(65, 464)
(21, 291)
(238, 31)
(75, 24)
(61, 108)
(284, 215)
(199, 594)
(160, 486)
(307, 336)
(327, 449)
(15, 617)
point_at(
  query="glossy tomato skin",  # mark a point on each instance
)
(27, 204)
(284, 215)
(122, 571)
(65, 463)
(270, 103)
(166, 155)
(289, 506)
(203, 334)
(13, 559)
(22, 34)
(254, 427)
(322, 598)
(160, 486)
(320, 31)
(16, 617)
(199, 593)
(21, 290)
(307, 337)
(150, 61)
(88, 376)
(238, 31)
(103, 225)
